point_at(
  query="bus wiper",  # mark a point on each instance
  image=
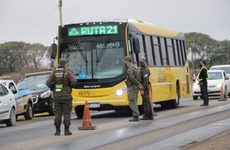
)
(84, 56)
(76, 46)
(99, 57)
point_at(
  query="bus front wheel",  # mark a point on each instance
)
(79, 111)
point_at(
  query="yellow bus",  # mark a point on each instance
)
(95, 52)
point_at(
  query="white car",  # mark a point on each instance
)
(216, 80)
(226, 68)
(7, 106)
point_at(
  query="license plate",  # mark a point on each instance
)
(86, 93)
(94, 105)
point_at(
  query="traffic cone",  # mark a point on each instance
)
(86, 124)
(222, 98)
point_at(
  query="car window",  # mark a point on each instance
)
(214, 75)
(12, 87)
(226, 69)
(3, 90)
(33, 83)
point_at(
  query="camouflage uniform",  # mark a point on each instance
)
(145, 73)
(132, 89)
(61, 82)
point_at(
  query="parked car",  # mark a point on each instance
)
(226, 68)
(23, 98)
(42, 95)
(216, 80)
(7, 106)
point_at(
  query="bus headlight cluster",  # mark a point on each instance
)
(46, 94)
(121, 91)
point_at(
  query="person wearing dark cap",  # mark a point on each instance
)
(203, 76)
(61, 82)
(133, 84)
(145, 74)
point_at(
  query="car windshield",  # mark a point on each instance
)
(214, 75)
(226, 69)
(33, 83)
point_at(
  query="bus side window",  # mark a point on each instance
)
(136, 45)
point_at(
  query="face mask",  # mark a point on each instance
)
(142, 65)
(200, 65)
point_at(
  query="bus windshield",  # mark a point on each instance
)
(95, 60)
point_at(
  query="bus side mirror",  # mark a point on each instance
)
(53, 51)
(136, 45)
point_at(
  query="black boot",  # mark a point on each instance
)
(58, 130)
(134, 119)
(67, 132)
(147, 117)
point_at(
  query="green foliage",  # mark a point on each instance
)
(16, 55)
(201, 46)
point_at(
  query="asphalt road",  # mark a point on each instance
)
(172, 129)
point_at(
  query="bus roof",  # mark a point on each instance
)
(149, 28)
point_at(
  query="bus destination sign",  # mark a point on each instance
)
(93, 30)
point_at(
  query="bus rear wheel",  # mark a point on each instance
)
(175, 103)
(79, 111)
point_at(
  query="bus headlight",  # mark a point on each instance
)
(46, 94)
(121, 91)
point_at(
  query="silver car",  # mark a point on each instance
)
(7, 106)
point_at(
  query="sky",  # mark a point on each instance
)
(37, 21)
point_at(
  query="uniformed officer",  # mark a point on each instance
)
(145, 74)
(203, 76)
(61, 82)
(133, 84)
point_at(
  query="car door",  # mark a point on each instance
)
(6, 102)
(18, 98)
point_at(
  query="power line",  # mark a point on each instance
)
(34, 25)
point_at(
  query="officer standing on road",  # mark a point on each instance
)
(203, 76)
(61, 82)
(133, 84)
(145, 74)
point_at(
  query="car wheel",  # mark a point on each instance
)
(195, 97)
(51, 109)
(12, 120)
(29, 112)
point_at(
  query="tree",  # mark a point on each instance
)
(35, 54)
(12, 56)
(201, 46)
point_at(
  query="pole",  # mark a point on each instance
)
(60, 25)
(227, 58)
(60, 11)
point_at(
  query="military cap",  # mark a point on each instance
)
(128, 58)
(62, 61)
(143, 59)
